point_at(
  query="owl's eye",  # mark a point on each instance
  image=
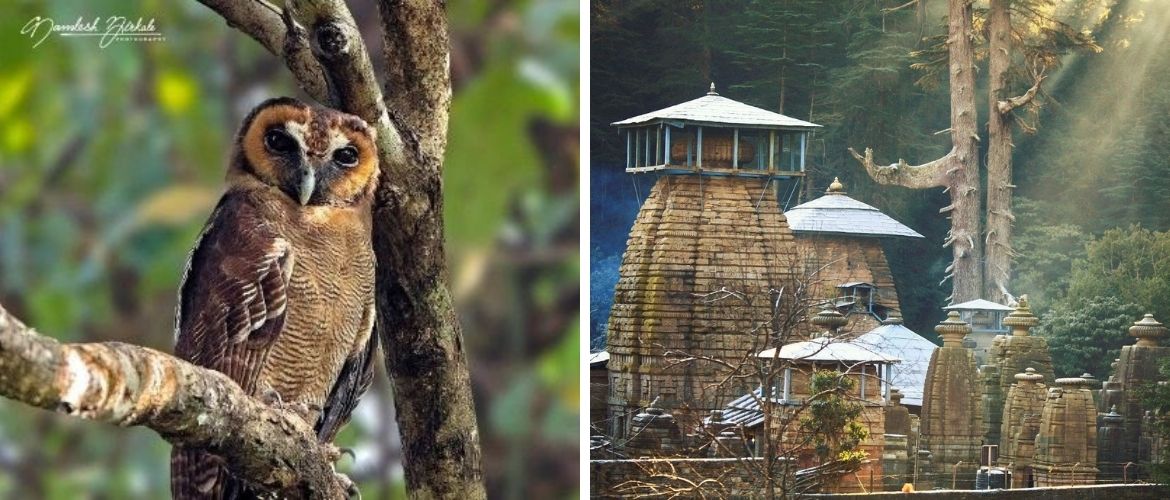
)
(278, 141)
(346, 157)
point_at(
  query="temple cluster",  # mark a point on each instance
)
(740, 325)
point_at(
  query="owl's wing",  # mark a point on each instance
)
(231, 309)
(234, 294)
(353, 381)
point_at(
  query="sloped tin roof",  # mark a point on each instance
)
(745, 410)
(895, 340)
(978, 305)
(718, 110)
(827, 349)
(839, 214)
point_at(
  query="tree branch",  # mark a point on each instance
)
(262, 21)
(928, 175)
(1005, 107)
(127, 385)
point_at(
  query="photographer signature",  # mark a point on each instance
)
(113, 28)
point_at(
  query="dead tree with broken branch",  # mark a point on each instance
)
(957, 172)
(319, 42)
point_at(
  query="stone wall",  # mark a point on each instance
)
(687, 477)
(1096, 492)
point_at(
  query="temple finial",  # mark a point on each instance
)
(712, 91)
(836, 187)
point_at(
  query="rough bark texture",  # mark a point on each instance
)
(187, 405)
(958, 170)
(997, 270)
(416, 316)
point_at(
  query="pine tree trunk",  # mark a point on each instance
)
(999, 156)
(963, 176)
(958, 171)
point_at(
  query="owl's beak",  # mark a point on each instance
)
(308, 182)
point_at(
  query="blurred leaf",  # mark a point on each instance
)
(176, 91)
(13, 88)
(510, 411)
(18, 134)
(175, 204)
(490, 155)
(558, 367)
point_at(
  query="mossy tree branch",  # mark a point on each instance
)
(187, 405)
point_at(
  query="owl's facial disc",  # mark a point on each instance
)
(315, 156)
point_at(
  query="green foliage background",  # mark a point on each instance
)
(111, 158)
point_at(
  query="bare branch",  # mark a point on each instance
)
(127, 385)
(1005, 107)
(927, 175)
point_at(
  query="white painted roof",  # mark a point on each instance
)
(839, 214)
(829, 349)
(895, 340)
(978, 305)
(598, 357)
(718, 110)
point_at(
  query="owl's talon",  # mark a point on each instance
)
(351, 489)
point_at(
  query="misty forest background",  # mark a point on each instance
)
(1093, 173)
(111, 160)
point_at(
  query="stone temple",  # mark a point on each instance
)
(839, 240)
(710, 353)
(706, 257)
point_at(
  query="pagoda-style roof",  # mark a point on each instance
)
(977, 305)
(835, 213)
(714, 109)
(893, 339)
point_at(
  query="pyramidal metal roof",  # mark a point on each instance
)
(909, 376)
(839, 214)
(718, 110)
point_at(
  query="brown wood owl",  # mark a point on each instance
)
(279, 290)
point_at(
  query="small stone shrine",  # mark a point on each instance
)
(1066, 445)
(952, 416)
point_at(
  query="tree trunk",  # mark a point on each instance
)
(958, 171)
(997, 268)
(964, 179)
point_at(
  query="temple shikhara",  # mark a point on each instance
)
(762, 347)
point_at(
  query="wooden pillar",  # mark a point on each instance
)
(699, 155)
(771, 150)
(628, 148)
(666, 148)
(735, 148)
(787, 383)
(803, 138)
